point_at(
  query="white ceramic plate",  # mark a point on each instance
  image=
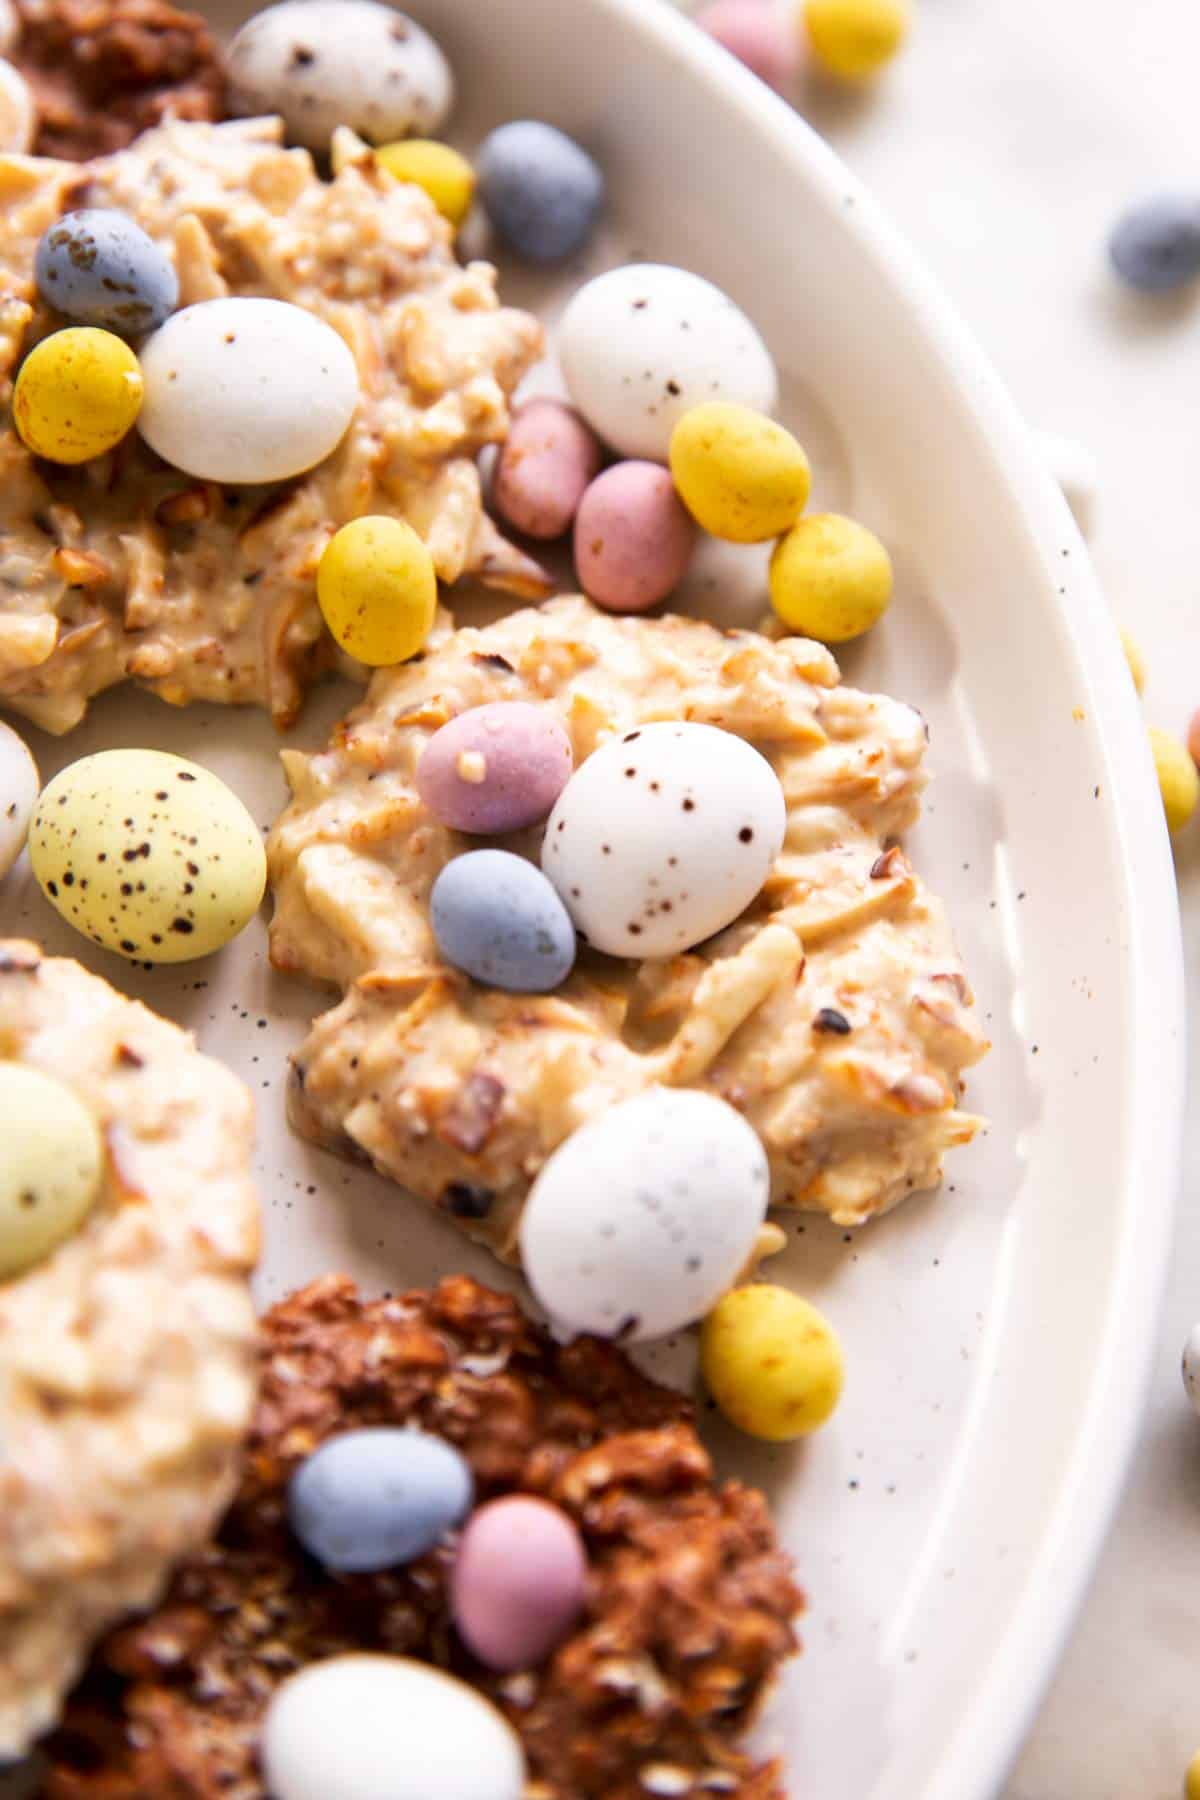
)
(996, 1332)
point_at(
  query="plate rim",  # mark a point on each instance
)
(992, 1730)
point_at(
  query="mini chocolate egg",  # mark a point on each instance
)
(495, 768)
(540, 189)
(520, 1577)
(378, 1497)
(18, 112)
(644, 1217)
(148, 855)
(1191, 1368)
(51, 1168)
(98, 267)
(362, 1727)
(760, 36)
(544, 467)
(246, 390)
(18, 793)
(643, 344)
(497, 918)
(324, 63)
(663, 837)
(633, 538)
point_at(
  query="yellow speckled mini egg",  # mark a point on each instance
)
(148, 855)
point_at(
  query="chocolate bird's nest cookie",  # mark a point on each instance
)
(690, 1601)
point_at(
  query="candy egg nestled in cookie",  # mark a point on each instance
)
(495, 768)
(643, 1218)
(51, 1167)
(245, 389)
(365, 1727)
(147, 854)
(663, 837)
(325, 63)
(18, 792)
(378, 1498)
(99, 267)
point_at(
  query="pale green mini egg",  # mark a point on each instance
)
(51, 1162)
(148, 855)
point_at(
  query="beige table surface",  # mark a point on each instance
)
(1003, 144)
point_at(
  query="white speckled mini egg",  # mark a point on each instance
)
(663, 836)
(363, 1727)
(148, 855)
(642, 345)
(246, 390)
(18, 792)
(646, 1216)
(324, 63)
(1191, 1367)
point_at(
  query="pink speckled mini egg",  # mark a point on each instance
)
(519, 1581)
(633, 538)
(495, 768)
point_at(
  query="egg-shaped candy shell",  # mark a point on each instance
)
(544, 469)
(519, 1581)
(663, 837)
(633, 538)
(51, 1166)
(498, 918)
(325, 63)
(378, 1498)
(98, 267)
(643, 344)
(1155, 246)
(147, 854)
(643, 1218)
(361, 1727)
(765, 40)
(495, 768)
(540, 189)
(246, 390)
(18, 794)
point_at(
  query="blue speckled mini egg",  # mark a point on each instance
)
(147, 854)
(378, 1497)
(496, 917)
(1155, 246)
(540, 189)
(98, 267)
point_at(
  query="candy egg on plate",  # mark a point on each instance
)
(246, 390)
(18, 792)
(99, 267)
(385, 1728)
(644, 1217)
(663, 836)
(495, 768)
(51, 1168)
(324, 63)
(519, 1582)
(147, 854)
(641, 345)
(378, 1497)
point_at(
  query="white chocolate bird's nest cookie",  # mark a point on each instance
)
(835, 1014)
(125, 568)
(128, 1358)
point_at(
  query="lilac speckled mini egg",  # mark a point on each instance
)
(663, 837)
(495, 768)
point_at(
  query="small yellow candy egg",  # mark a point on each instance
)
(148, 855)
(77, 394)
(446, 177)
(854, 39)
(772, 1362)
(830, 578)
(1177, 778)
(1135, 659)
(377, 590)
(1191, 1780)
(50, 1168)
(740, 475)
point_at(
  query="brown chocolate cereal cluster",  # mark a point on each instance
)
(104, 70)
(690, 1604)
